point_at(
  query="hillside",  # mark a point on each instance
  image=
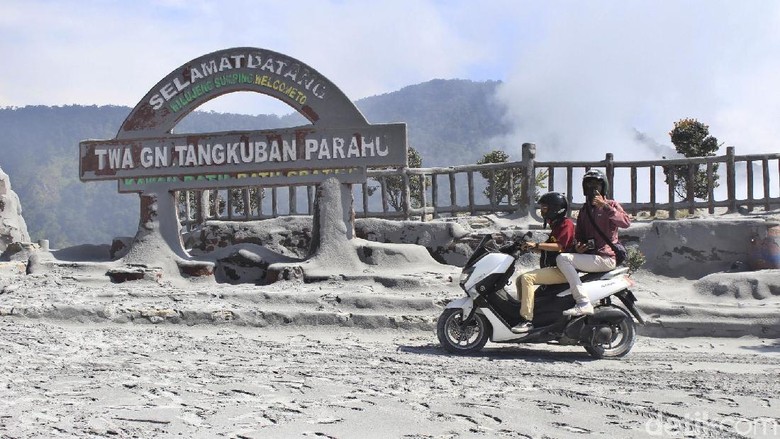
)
(449, 122)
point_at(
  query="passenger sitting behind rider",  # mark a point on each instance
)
(554, 209)
(599, 212)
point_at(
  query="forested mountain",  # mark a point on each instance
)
(448, 122)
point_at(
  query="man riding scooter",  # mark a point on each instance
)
(553, 208)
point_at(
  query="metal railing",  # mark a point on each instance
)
(423, 193)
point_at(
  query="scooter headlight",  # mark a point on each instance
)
(465, 275)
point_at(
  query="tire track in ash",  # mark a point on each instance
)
(684, 424)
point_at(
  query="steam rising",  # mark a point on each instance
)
(614, 77)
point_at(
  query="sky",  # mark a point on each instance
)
(579, 78)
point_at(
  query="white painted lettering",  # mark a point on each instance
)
(232, 153)
(156, 102)
(209, 68)
(269, 65)
(275, 155)
(101, 153)
(180, 150)
(383, 152)
(324, 151)
(167, 91)
(253, 61)
(160, 157)
(338, 148)
(195, 74)
(127, 159)
(224, 64)
(179, 85)
(290, 152)
(292, 72)
(260, 152)
(114, 158)
(192, 157)
(147, 158)
(247, 152)
(353, 150)
(368, 146)
(311, 146)
(237, 60)
(281, 65)
(218, 154)
(204, 154)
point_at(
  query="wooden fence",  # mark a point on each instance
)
(424, 193)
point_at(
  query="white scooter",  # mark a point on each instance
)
(489, 312)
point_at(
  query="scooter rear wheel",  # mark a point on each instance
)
(462, 339)
(623, 338)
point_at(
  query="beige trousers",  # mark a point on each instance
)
(570, 263)
(526, 286)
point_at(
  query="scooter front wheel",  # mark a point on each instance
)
(458, 338)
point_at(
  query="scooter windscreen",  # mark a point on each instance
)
(480, 251)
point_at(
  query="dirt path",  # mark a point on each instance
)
(59, 379)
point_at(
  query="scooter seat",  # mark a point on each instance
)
(602, 275)
(616, 272)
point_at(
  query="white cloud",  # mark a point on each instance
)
(605, 69)
(579, 76)
(113, 53)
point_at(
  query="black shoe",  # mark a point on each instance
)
(522, 327)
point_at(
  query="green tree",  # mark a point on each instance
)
(395, 184)
(692, 138)
(501, 178)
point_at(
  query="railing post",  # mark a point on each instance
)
(423, 197)
(609, 165)
(731, 180)
(511, 188)
(364, 187)
(292, 199)
(310, 199)
(528, 180)
(274, 204)
(492, 183)
(407, 194)
(202, 206)
(434, 195)
(672, 184)
(470, 182)
(652, 192)
(383, 186)
(765, 174)
(229, 204)
(690, 188)
(710, 187)
(634, 209)
(750, 195)
(247, 204)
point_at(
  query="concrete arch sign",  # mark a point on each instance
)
(145, 155)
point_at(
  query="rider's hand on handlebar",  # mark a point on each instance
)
(529, 245)
(509, 248)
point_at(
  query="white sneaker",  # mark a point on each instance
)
(580, 309)
(522, 327)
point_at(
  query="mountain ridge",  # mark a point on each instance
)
(448, 122)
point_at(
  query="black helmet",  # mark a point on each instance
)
(557, 207)
(594, 175)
